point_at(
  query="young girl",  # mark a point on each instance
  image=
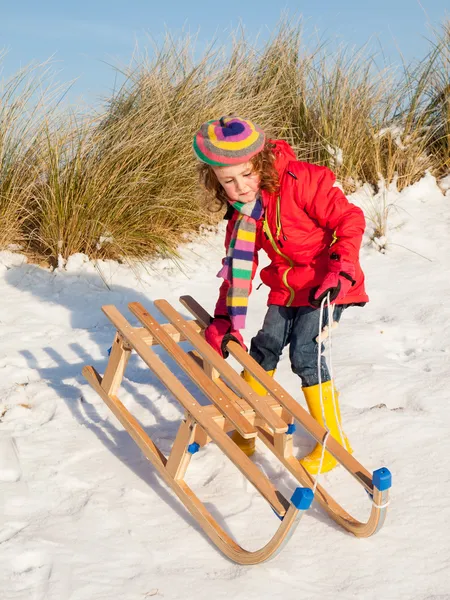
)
(312, 235)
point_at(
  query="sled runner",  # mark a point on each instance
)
(234, 406)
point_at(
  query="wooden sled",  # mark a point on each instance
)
(234, 406)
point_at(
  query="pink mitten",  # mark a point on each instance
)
(219, 332)
(337, 282)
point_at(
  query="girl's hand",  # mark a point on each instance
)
(337, 282)
(219, 332)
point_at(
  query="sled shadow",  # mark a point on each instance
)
(65, 378)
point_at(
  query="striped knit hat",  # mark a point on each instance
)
(228, 141)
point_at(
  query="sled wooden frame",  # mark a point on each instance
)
(234, 406)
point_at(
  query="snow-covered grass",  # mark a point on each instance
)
(85, 517)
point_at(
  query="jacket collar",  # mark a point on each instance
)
(284, 154)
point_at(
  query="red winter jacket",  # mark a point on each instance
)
(312, 214)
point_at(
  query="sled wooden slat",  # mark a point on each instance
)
(196, 508)
(258, 403)
(244, 407)
(193, 370)
(228, 447)
(179, 457)
(168, 328)
(116, 366)
(241, 404)
(201, 315)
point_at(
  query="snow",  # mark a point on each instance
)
(444, 184)
(9, 461)
(396, 132)
(337, 155)
(83, 516)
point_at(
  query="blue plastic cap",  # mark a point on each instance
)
(109, 351)
(382, 479)
(291, 428)
(193, 448)
(302, 498)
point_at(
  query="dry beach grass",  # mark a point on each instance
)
(123, 183)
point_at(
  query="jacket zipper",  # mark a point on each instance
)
(279, 223)
(269, 235)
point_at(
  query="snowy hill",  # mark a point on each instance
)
(85, 517)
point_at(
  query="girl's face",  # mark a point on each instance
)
(240, 182)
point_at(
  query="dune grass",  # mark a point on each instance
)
(19, 133)
(123, 183)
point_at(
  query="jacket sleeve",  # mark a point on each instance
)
(221, 304)
(330, 208)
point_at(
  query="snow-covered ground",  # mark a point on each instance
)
(85, 517)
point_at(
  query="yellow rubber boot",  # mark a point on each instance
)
(248, 446)
(311, 462)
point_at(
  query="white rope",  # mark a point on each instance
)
(330, 308)
(322, 456)
(319, 374)
(330, 368)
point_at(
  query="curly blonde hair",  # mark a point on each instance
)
(263, 163)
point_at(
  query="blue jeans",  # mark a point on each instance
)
(297, 326)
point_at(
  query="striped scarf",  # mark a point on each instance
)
(238, 263)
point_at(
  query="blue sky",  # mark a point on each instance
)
(86, 36)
